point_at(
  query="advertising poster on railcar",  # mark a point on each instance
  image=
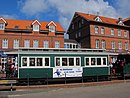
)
(67, 72)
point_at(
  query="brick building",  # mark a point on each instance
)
(30, 34)
(94, 31)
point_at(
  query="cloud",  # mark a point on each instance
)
(123, 8)
(33, 7)
(66, 8)
(9, 16)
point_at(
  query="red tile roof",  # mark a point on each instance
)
(91, 17)
(27, 24)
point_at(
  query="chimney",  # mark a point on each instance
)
(120, 18)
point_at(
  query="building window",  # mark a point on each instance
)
(97, 44)
(96, 29)
(35, 27)
(46, 44)
(126, 45)
(119, 45)
(125, 33)
(113, 45)
(76, 35)
(2, 26)
(72, 26)
(5, 43)
(102, 31)
(82, 21)
(35, 44)
(27, 43)
(57, 44)
(79, 34)
(79, 23)
(112, 31)
(16, 43)
(103, 44)
(52, 28)
(119, 32)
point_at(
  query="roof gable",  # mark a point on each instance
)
(97, 18)
(36, 22)
(106, 20)
(2, 20)
(52, 23)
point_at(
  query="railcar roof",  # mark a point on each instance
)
(57, 51)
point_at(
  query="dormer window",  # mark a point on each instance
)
(2, 26)
(52, 28)
(98, 19)
(36, 27)
(120, 23)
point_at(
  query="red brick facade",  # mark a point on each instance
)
(83, 30)
(22, 30)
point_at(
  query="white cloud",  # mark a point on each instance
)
(8, 16)
(33, 7)
(67, 8)
(123, 8)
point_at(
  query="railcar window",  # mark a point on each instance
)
(57, 61)
(87, 61)
(24, 62)
(93, 61)
(98, 61)
(77, 62)
(104, 61)
(64, 61)
(71, 61)
(31, 61)
(46, 61)
(39, 62)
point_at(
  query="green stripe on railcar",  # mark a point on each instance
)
(35, 73)
(127, 69)
(96, 71)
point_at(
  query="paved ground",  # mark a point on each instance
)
(120, 90)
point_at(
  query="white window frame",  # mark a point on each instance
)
(5, 43)
(126, 46)
(96, 30)
(16, 44)
(27, 43)
(46, 44)
(113, 44)
(36, 27)
(125, 33)
(102, 31)
(119, 45)
(97, 44)
(57, 44)
(90, 65)
(112, 32)
(35, 44)
(52, 28)
(28, 62)
(67, 61)
(119, 32)
(2, 26)
(103, 44)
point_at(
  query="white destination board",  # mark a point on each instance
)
(67, 72)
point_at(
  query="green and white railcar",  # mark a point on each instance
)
(61, 63)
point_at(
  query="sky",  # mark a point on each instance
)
(62, 11)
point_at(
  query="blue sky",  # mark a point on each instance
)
(62, 11)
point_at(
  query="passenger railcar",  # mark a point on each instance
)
(57, 64)
(122, 66)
